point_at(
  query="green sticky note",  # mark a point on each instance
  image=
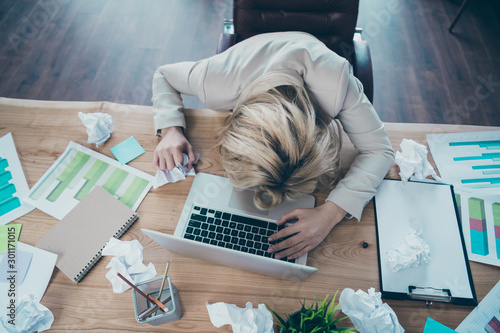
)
(432, 326)
(9, 234)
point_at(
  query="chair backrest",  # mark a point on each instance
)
(331, 21)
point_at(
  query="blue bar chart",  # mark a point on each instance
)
(470, 160)
(13, 185)
(8, 200)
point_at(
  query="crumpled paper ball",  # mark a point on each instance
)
(128, 262)
(413, 253)
(178, 173)
(99, 126)
(368, 313)
(412, 160)
(30, 316)
(242, 320)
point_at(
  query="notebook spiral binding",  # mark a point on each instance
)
(98, 256)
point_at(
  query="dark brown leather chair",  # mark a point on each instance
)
(331, 21)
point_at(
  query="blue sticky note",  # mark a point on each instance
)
(127, 150)
(432, 326)
(21, 264)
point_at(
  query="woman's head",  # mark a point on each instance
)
(278, 144)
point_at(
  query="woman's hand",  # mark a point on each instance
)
(312, 227)
(168, 153)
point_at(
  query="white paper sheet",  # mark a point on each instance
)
(37, 277)
(433, 205)
(77, 171)
(487, 311)
(8, 152)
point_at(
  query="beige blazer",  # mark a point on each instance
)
(218, 81)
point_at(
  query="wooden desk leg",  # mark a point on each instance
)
(460, 11)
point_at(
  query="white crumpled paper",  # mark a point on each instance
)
(31, 316)
(99, 126)
(178, 173)
(413, 160)
(413, 253)
(127, 262)
(368, 313)
(242, 320)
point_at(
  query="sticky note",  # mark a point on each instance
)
(18, 265)
(432, 326)
(127, 150)
(9, 234)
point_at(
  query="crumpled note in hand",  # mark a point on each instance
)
(178, 173)
(368, 313)
(128, 262)
(30, 316)
(413, 253)
(242, 320)
(99, 126)
(413, 160)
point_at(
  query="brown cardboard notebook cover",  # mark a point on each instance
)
(78, 239)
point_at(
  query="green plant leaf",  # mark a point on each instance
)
(313, 317)
(281, 321)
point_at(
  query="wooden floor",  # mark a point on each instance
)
(96, 50)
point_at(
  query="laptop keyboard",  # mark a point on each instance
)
(231, 231)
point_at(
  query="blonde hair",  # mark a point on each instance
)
(276, 143)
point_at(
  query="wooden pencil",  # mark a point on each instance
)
(140, 292)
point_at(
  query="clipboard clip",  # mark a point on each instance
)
(429, 294)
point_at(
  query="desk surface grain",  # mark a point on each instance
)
(42, 130)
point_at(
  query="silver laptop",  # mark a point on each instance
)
(221, 224)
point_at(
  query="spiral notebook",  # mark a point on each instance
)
(78, 239)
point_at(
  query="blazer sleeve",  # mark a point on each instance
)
(366, 131)
(169, 82)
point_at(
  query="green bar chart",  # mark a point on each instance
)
(77, 171)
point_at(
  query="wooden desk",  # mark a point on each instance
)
(41, 132)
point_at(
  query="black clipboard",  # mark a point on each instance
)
(447, 277)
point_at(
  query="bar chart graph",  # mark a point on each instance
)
(496, 226)
(470, 160)
(8, 200)
(13, 185)
(480, 218)
(75, 174)
(478, 229)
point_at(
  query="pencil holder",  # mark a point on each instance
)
(158, 317)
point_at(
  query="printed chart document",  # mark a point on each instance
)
(468, 160)
(77, 171)
(447, 276)
(471, 162)
(13, 185)
(486, 316)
